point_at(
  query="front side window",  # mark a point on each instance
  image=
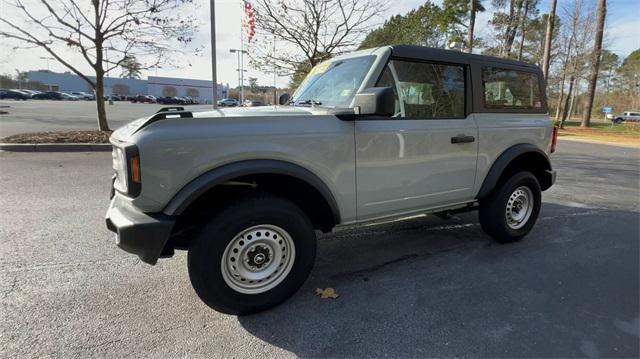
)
(428, 91)
(333, 83)
(510, 89)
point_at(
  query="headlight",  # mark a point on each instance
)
(126, 164)
(119, 165)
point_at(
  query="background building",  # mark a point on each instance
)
(171, 86)
(154, 85)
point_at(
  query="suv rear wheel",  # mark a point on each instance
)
(252, 255)
(510, 212)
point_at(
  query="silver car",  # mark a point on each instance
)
(370, 136)
(633, 116)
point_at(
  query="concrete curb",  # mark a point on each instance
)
(55, 147)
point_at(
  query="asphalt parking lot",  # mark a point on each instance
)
(423, 287)
(49, 115)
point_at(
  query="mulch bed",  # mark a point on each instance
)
(60, 137)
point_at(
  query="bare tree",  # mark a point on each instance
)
(595, 64)
(150, 29)
(511, 28)
(310, 31)
(579, 37)
(546, 57)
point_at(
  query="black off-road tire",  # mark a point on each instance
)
(207, 249)
(492, 214)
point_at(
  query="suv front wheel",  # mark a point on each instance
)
(252, 255)
(511, 210)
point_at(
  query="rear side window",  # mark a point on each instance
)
(511, 89)
(431, 90)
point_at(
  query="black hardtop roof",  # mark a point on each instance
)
(430, 53)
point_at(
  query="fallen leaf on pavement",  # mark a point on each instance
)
(327, 293)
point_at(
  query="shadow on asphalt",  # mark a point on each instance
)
(427, 287)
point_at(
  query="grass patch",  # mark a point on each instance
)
(623, 133)
(625, 128)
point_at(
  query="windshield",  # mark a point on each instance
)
(333, 83)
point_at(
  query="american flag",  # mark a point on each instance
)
(249, 21)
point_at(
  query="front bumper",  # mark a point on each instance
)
(552, 177)
(139, 233)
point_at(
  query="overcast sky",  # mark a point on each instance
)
(622, 37)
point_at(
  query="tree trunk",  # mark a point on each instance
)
(574, 98)
(515, 9)
(565, 111)
(103, 125)
(546, 57)
(595, 65)
(472, 24)
(559, 104)
(524, 29)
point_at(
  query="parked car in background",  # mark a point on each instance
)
(191, 101)
(228, 102)
(117, 97)
(26, 92)
(168, 100)
(253, 103)
(69, 97)
(83, 95)
(14, 95)
(631, 116)
(144, 99)
(31, 92)
(49, 95)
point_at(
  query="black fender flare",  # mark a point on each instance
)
(501, 163)
(194, 189)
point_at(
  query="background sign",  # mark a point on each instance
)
(607, 109)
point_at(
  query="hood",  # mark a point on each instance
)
(125, 133)
(261, 111)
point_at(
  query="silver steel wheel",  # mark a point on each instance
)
(519, 207)
(258, 259)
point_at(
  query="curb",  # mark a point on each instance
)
(55, 147)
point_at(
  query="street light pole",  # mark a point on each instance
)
(240, 71)
(47, 58)
(214, 77)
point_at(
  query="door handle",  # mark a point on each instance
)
(462, 139)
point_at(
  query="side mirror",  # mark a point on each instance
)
(379, 101)
(284, 99)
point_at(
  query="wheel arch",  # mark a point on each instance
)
(521, 156)
(209, 180)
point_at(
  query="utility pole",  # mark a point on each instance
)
(214, 77)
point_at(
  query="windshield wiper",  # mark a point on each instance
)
(310, 103)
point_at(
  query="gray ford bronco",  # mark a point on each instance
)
(373, 135)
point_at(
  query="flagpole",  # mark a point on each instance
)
(275, 87)
(214, 77)
(241, 62)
